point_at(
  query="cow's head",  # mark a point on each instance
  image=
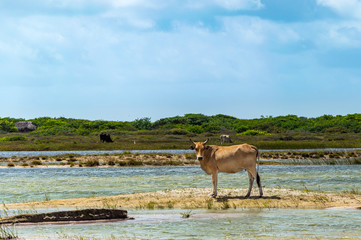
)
(200, 147)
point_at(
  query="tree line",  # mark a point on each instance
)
(193, 123)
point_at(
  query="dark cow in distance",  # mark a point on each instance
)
(105, 137)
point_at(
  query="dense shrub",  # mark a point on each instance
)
(253, 133)
(143, 124)
(7, 126)
(195, 129)
(241, 128)
(194, 123)
(92, 163)
(178, 131)
(14, 138)
(336, 129)
(11, 164)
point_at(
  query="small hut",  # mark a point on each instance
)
(25, 126)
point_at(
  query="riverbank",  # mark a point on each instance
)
(187, 159)
(199, 198)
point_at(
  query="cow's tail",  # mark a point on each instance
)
(257, 161)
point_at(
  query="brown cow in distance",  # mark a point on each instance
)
(228, 159)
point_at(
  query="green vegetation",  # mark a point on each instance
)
(92, 163)
(13, 138)
(196, 123)
(252, 132)
(289, 131)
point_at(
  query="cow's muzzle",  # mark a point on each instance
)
(200, 158)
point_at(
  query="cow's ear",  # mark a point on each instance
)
(191, 147)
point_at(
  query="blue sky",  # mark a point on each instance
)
(127, 59)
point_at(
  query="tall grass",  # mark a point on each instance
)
(7, 232)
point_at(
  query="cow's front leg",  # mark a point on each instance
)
(214, 181)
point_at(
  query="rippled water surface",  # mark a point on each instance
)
(216, 224)
(29, 184)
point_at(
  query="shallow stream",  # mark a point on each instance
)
(31, 184)
(215, 224)
(34, 184)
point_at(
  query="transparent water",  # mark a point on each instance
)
(216, 224)
(22, 185)
(32, 184)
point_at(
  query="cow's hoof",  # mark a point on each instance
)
(247, 196)
(214, 195)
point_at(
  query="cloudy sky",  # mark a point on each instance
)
(128, 59)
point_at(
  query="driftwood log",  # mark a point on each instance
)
(67, 216)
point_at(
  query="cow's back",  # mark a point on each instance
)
(232, 159)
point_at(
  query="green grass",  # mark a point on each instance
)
(159, 140)
(13, 138)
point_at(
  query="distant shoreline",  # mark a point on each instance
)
(133, 159)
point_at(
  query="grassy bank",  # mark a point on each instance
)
(128, 159)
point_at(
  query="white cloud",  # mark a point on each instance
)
(239, 4)
(346, 35)
(346, 8)
(255, 31)
(226, 4)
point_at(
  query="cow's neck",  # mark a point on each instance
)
(206, 162)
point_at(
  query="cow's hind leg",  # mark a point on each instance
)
(251, 180)
(259, 185)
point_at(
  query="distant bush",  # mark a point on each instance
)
(240, 129)
(211, 127)
(53, 131)
(122, 163)
(134, 162)
(13, 138)
(92, 163)
(36, 162)
(7, 126)
(178, 131)
(337, 129)
(253, 133)
(11, 164)
(111, 163)
(143, 124)
(195, 129)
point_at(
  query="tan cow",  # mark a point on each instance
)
(228, 159)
